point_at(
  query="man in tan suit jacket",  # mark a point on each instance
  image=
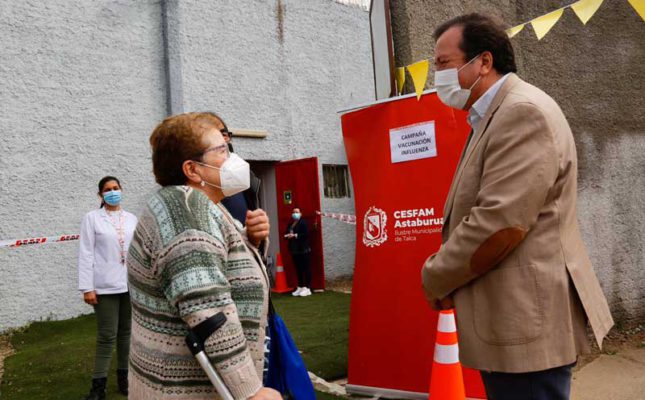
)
(512, 259)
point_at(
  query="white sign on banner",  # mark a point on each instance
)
(413, 142)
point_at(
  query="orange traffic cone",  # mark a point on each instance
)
(280, 277)
(447, 380)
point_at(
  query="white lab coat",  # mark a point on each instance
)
(99, 254)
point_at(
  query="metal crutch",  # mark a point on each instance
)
(195, 341)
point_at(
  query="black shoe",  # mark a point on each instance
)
(99, 390)
(122, 381)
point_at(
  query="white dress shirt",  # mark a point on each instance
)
(99, 254)
(481, 106)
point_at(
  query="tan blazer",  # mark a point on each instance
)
(512, 255)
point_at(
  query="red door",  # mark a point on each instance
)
(297, 185)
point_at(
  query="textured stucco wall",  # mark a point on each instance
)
(82, 87)
(285, 67)
(595, 72)
(84, 83)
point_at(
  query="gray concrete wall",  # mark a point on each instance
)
(595, 72)
(265, 171)
(84, 83)
(339, 238)
(82, 88)
(285, 67)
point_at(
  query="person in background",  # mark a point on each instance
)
(239, 203)
(298, 240)
(105, 236)
(190, 260)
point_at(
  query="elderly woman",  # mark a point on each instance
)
(190, 260)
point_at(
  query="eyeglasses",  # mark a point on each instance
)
(221, 150)
(227, 133)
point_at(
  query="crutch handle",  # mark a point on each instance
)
(195, 342)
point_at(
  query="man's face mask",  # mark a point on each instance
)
(448, 88)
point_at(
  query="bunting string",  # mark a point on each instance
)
(542, 25)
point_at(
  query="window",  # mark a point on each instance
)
(336, 181)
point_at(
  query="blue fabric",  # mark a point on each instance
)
(236, 205)
(287, 372)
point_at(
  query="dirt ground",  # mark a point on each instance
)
(616, 342)
(343, 285)
(5, 351)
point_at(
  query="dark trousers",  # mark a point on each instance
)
(550, 384)
(113, 322)
(303, 268)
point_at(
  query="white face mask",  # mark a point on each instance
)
(234, 175)
(448, 88)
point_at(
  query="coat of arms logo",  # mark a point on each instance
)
(374, 229)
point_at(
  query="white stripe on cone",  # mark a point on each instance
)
(446, 323)
(446, 354)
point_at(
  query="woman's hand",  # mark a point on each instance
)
(90, 298)
(267, 394)
(257, 226)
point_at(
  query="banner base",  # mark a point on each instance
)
(388, 393)
(384, 393)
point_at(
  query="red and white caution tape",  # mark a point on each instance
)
(349, 219)
(37, 240)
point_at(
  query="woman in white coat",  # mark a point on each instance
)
(106, 234)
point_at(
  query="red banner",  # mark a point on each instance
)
(402, 155)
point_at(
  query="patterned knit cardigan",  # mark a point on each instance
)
(188, 260)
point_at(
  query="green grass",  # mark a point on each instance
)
(326, 396)
(54, 359)
(319, 325)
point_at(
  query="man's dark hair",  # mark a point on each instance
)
(481, 33)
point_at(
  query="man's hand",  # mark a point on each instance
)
(90, 298)
(444, 304)
(267, 394)
(257, 226)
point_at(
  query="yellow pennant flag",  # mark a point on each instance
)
(542, 25)
(400, 79)
(514, 30)
(419, 73)
(639, 6)
(585, 9)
